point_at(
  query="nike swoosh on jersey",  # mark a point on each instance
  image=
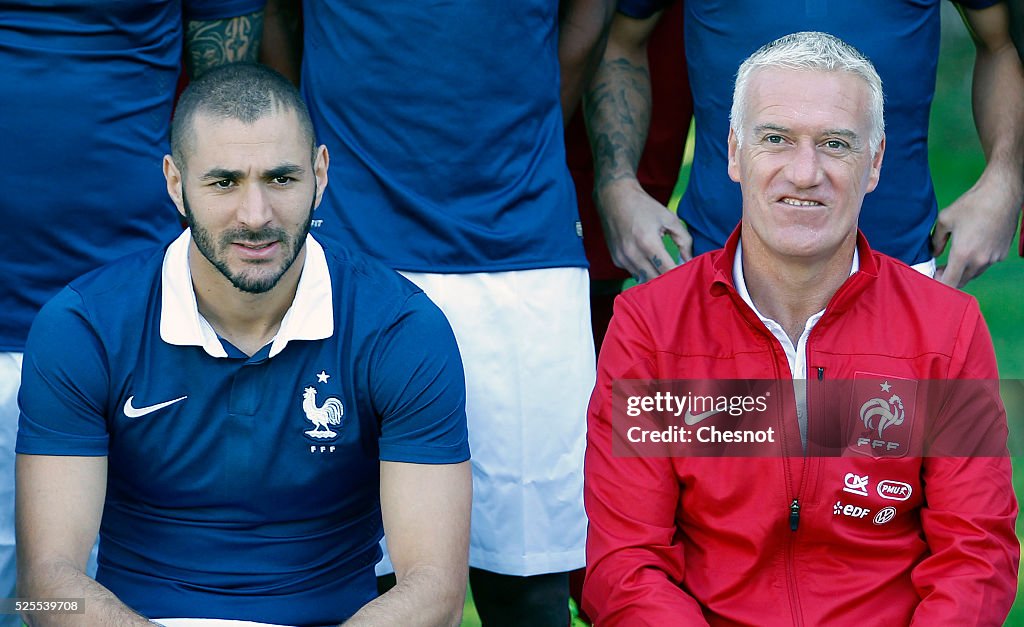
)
(136, 412)
(691, 419)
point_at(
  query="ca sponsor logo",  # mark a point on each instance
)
(884, 515)
(856, 484)
(852, 511)
(894, 490)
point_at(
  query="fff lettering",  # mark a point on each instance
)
(879, 444)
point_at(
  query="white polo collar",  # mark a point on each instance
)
(795, 354)
(310, 317)
(741, 283)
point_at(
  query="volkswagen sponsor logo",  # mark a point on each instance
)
(884, 515)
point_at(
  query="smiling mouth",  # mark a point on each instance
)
(793, 202)
(255, 246)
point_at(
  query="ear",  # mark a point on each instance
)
(174, 182)
(320, 164)
(876, 166)
(734, 166)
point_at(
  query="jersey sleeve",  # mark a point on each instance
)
(970, 574)
(419, 389)
(64, 383)
(635, 561)
(641, 9)
(205, 10)
(976, 4)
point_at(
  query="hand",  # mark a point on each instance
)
(634, 224)
(981, 224)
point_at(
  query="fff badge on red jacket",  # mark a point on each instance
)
(882, 415)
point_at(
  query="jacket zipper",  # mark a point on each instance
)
(794, 506)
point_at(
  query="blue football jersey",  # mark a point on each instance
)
(243, 487)
(87, 92)
(444, 124)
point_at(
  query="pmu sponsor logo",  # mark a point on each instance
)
(894, 490)
(853, 511)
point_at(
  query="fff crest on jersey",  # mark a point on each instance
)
(325, 415)
(882, 415)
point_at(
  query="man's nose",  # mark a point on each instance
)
(805, 166)
(254, 211)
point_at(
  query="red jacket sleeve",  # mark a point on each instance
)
(634, 556)
(970, 577)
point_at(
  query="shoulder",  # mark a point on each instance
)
(923, 297)
(355, 275)
(678, 290)
(123, 276)
(376, 300)
(112, 292)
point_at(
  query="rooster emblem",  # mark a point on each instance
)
(321, 417)
(888, 413)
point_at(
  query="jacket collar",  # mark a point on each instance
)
(310, 317)
(741, 283)
(724, 285)
(723, 261)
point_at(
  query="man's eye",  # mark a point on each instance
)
(774, 139)
(835, 144)
(223, 184)
(282, 180)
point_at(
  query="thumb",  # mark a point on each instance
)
(682, 239)
(940, 237)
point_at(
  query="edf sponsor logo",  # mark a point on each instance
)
(853, 511)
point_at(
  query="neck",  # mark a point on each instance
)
(790, 290)
(248, 321)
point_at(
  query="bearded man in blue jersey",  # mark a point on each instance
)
(241, 414)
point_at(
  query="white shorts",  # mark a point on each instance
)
(10, 381)
(926, 268)
(528, 353)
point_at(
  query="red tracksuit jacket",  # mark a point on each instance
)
(795, 538)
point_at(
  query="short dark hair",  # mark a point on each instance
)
(246, 92)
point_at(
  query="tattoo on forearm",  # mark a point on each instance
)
(618, 110)
(218, 42)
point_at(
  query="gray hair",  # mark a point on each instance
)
(810, 50)
(246, 92)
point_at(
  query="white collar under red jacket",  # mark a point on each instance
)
(902, 511)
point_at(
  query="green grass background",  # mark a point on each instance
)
(956, 162)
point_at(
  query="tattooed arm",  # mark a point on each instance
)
(582, 33)
(617, 107)
(216, 42)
